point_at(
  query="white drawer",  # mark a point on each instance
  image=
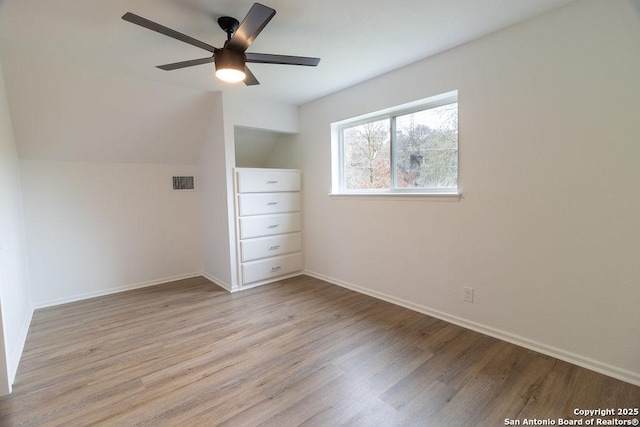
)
(265, 180)
(264, 247)
(268, 225)
(268, 203)
(271, 267)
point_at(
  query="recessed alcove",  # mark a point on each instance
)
(259, 148)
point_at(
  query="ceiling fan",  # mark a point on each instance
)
(230, 61)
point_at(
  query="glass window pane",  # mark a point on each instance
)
(426, 148)
(367, 156)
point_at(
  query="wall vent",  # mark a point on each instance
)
(184, 183)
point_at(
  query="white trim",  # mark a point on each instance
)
(230, 289)
(224, 285)
(268, 281)
(17, 355)
(576, 359)
(434, 197)
(83, 296)
(388, 114)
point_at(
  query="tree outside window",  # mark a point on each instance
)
(367, 156)
(415, 150)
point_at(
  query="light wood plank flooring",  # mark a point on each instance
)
(296, 352)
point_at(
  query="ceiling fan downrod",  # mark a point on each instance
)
(229, 25)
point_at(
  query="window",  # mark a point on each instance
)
(408, 149)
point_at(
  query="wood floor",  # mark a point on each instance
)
(296, 352)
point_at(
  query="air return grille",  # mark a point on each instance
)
(184, 183)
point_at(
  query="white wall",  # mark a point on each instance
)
(260, 149)
(252, 147)
(95, 228)
(97, 155)
(15, 299)
(547, 229)
(285, 153)
(216, 163)
(216, 232)
(244, 110)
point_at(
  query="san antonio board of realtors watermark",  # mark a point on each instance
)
(590, 417)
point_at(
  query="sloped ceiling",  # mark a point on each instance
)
(356, 39)
(75, 114)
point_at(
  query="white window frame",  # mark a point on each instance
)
(338, 166)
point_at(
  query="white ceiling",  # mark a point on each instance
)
(356, 39)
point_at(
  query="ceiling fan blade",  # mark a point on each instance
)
(265, 58)
(258, 17)
(184, 64)
(250, 80)
(143, 22)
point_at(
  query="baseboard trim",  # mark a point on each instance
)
(576, 359)
(269, 281)
(17, 354)
(224, 285)
(231, 289)
(83, 296)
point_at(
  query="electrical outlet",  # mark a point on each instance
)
(468, 294)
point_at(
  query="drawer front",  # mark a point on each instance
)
(268, 225)
(268, 203)
(264, 180)
(264, 247)
(270, 268)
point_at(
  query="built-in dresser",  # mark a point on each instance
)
(268, 224)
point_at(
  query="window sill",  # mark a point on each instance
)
(435, 197)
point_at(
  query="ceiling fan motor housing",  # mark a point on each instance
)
(229, 58)
(230, 61)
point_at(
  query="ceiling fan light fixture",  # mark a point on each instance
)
(231, 75)
(231, 59)
(230, 65)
